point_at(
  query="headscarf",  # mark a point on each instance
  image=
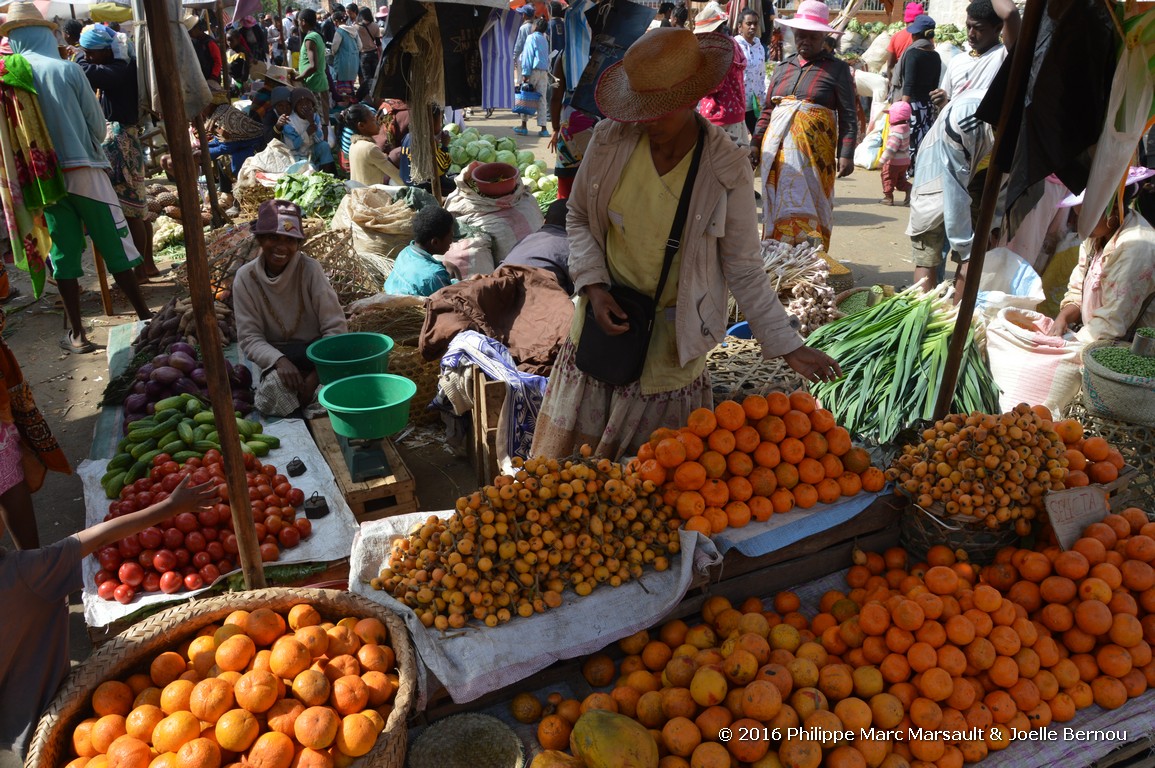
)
(34, 40)
(95, 37)
(303, 127)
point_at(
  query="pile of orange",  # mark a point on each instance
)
(271, 690)
(1089, 459)
(747, 461)
(940, 646)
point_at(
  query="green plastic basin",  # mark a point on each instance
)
(350, 354)
(368, 406)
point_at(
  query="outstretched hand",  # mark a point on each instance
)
(813, 364)
(189, 499)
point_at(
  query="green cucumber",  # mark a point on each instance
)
(200, 430)
(245, 427)
(213, 437)
(185, 430)
(193, 407)
(115, 484)
(150, 455)
(138, 470)
(204, 417)
(205, 445)
(270, 440)
(147, 422)
(180, 457)
(256, 448)
(120, 461)
(172, 447)
(170, 436)
(258, 427)
(168, 414)
(140, 449)
(176, 402)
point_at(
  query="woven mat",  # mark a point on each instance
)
(332, 537)
(480, 660)
(737, 369)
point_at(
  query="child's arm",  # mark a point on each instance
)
(183, 499)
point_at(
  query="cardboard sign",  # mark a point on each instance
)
(1073, 509)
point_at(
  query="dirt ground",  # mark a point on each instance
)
(868, 238)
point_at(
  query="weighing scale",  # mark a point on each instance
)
(365, 458)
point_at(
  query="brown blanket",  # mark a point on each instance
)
(522, 307)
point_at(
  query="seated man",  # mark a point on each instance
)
(547, 248)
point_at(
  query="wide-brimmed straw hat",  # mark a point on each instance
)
(666, 70)
(710, 18)
(812, 16)
(190, 20)
(24, 15)
(278, 74)
(1135, 174)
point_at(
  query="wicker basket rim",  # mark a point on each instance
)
(128, 650)
(1095, 368)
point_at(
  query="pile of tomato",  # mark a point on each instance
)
(190, 550)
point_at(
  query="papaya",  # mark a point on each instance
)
(551, 758)
(602, 739)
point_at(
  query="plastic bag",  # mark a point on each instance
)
(1008, 281)
(868, 153)
(1030, 366)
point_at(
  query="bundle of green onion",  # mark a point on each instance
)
(892, 357)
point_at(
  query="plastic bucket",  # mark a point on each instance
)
(350, 354)
(369, 406)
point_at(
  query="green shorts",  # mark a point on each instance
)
(926, 249)
(67, 222)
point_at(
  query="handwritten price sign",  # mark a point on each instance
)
(1074, 509)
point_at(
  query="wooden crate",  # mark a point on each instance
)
(488, 401)
(394, 494)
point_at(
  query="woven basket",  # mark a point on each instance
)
(737, 369)
(1114, 395)
(923, 528)
(408, 362)
(249, 199)
(348, 276)
(840, 277)
(1135, 441)
(130, 650)
(401, 322)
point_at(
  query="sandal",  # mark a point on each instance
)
(521, 131)
(69, 345)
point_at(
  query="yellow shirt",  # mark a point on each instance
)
(642, 209)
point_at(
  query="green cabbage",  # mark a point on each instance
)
(458, 154)
(533, 172)
(541, 164)
(452, 129)
(530, 184)
(504, 156)
(473, 149)
(487, 155)
(506, 144)
(524, 157)
(490, 138)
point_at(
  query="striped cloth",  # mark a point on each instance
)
(577, 42)
(497, 58)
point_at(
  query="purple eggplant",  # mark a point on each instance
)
(199, 377)
(244, 395)
(160, 360)
(244, 377)
(139, 388)
(150, 409)
(155, 390)
(144, 371)
(182, 362)
(135, 403)
(166, 375)
(184, 386)
(180, 346)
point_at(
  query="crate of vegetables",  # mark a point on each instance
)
(1119, 384)
(268, 677)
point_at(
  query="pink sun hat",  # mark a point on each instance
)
(911, 12)
(1135, 174)
(813, 16)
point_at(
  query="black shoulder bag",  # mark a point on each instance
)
(618, 360)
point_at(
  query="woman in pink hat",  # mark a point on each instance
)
(806, 134)
(653, 162)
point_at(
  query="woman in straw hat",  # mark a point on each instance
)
(806, 134)
(621, 214)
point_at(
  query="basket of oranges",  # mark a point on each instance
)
(922, 529)
(311, 677)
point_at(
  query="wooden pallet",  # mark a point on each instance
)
(394, 494)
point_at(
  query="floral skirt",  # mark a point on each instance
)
(614, 421)
(11, 457)
(126, 155)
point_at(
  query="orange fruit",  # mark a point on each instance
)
(721, 441)
(112, 698)
(271, 750)
(316, 727)
(237, 729)
(211, 698)
(797, 424)
(1096, 449)
(702, 422)
(175, 730)
(730, 415)
(670, 452)
(303, 615)
(257, 690)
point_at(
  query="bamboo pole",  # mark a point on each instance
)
(102, 276)
(1021, 60)
(218, 218)
(220, 392)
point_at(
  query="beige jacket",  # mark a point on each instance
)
(720, 248)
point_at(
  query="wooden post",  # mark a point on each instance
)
(435, 183)
(220, 393)
(1021, 59)
(218, 218)
(102, 274)
(226, 81)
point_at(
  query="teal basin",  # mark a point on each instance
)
(368, 406)
(350, 354)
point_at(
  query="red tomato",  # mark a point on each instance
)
(200, 476)
(146, 498)
(273, 524)
(159, 496)
(173, 538)
(278, 479)
(272, 500)
(223, 511)
(170, 482)
(217, 471)
(223, 491)
(211, 534)
(143, 484)
(186, 570)
(225, 565)
(131, 573)
(269, 552)
(209, 573)
(151, 582)
(194, 462)
(212, 456)
(257, 506)
(145, 558)
(255, 493)
(269, 539)
(183, 557)
(164, 560)
(195, 541)
(289, 536)
(193, 581)
(109, 558)
(282, 489)
(261, 531)
(296, 497)
(160, 458)
(207, 517)
(102, 576)
(201, 559)
(170, 467)
(124, 594)
(186, 522)
(215, 549)
(150, 538)
(106, 589)
(229, 542)
(129, 546)
(264, 489)
(305, 526)
(171, 582)
(155, 475)
(268, 470)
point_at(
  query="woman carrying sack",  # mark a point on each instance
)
(661, 224)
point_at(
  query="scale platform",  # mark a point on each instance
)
(391, 490)
(365, 459)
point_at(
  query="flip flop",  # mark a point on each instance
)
(12, 294)
(68, 345)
